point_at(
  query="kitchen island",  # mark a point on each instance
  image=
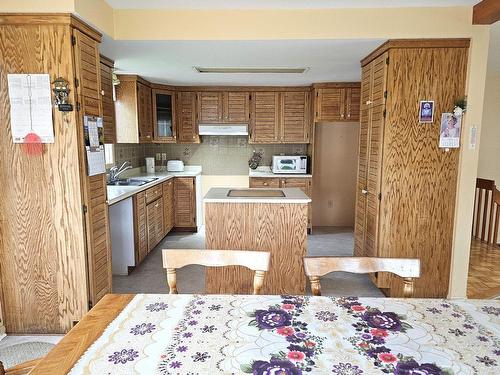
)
(273, 220)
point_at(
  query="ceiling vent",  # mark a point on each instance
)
(200, 69)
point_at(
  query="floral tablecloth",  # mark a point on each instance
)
(193, 334)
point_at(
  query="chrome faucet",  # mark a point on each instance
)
(115, 171)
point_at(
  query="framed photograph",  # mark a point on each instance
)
(450, 131)
(426, 112)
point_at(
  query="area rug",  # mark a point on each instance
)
(19, 353)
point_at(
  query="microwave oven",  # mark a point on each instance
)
(290, 164)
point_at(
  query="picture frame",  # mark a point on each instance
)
(426, 112)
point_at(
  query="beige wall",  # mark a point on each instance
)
(489, 153)
(210, 181)
(335, 169)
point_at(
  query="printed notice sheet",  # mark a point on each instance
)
(94, 145)
(30, 107)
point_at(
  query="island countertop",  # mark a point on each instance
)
(290, 195)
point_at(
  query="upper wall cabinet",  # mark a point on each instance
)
(133, 107)
(164, 130)
(108, 105)
(223, 107)
(280, 117)
(337, 102)
(187, 127)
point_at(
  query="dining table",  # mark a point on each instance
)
(280, 335)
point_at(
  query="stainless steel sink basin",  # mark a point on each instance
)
(132, 181)
(255, 193)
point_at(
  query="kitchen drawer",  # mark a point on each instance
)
(264, 182)
(153, 193)
(302, 183)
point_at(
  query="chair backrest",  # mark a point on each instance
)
(408, 269)
(257, 261)
(486, 211)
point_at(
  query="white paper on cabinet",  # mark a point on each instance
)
(30, 107)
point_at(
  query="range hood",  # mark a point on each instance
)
(223, 129)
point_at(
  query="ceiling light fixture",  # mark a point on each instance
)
(251, 70)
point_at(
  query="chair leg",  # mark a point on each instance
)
(172, 280)
(315, 285)
(258, 281)
(408, 287)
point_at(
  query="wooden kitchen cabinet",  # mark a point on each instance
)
(168, 206)
(280, 117)
(223, 107)
(140, 227)
(185, 202)
(154, 219)
(187, 126)
(336, 102)
(133, 109)
(164, 130)
(303, 183)
(108, 105)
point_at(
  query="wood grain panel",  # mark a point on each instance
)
(127, 121)
(185, 202)
(236, 107)
(140, 227)
(108, 105)
(278, 228)
(419, 179)
(68, 351)
(94, 188)
(154, 220)
(265, 117)
(145, 113)
(187, 127)
(353, 101)
(264, 182)
(42, 262)
(210, 107)
(304, 184)
(330, 104)
(295, 124)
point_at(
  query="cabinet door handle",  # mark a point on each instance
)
(265, 183)
(368, 102)
(157, 204)
(364, 191)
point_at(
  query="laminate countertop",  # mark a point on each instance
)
(118, 193)
(222, 195)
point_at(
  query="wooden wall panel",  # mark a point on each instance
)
(42, 262)
(419, 179)
(248, 226)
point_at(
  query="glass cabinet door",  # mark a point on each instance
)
(163, 112)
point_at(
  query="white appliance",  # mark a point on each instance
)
(175, 166)
(290, 164)
(220, 129)
(150, 165)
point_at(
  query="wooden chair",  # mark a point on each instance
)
(316, 267)
(20, 369)
(257, 261)
(486, 211)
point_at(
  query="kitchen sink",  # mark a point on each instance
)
(132, 181)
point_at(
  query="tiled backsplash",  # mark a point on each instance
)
(216, 155)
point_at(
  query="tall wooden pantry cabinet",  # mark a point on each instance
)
(55, 259)
(406, 184)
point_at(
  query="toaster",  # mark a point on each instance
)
(175, 166)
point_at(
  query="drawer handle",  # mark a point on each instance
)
(265, 184)
(156, 205)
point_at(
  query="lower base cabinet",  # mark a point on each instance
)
(185, 203)
(168, 206)
(154, 221)
(303, 183)
(140, 227)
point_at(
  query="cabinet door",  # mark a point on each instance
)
(140, 227)
(295, 117)
(168, 206)
(187, 128)
(144, 113)
(87, 63)
(185, 202)
(108, 105)
(163, 116)
(353, 101)
(265, 117)
(154, 218)
(210, 107)
(330, 104)
(236, 107)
